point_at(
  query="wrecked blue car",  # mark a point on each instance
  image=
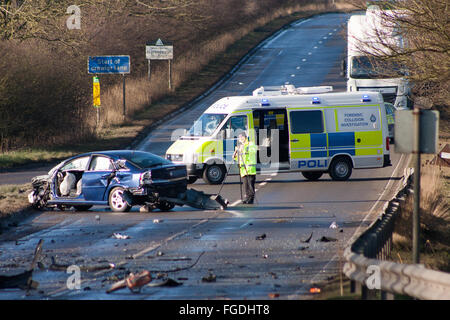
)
(119, 179)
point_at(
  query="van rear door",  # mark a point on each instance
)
(307, 140)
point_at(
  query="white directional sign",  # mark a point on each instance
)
(159, 51)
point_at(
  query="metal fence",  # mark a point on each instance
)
(366, 261)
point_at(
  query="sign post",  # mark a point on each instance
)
(424, 139)
(111, 65)
(158, 50)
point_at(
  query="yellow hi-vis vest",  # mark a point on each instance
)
(246, 158)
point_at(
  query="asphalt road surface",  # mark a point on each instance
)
(244, 252)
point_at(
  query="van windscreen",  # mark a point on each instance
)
(206, 124)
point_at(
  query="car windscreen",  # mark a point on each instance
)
(363, 67)
(145, 160)
(206, 124)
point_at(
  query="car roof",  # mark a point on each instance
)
(115, 153)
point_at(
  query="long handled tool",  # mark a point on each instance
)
(218, 197)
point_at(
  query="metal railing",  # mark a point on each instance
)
(366, 261)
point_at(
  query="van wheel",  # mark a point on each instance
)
(116, 201)
(312, 175)
(340, 169)
(214, 173)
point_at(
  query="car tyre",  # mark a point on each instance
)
(312, 175)
(82, 208)
(165, 206)
(214, 173)
(340, 169)
(116, 201)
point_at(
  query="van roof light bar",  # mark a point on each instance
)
(289, 89)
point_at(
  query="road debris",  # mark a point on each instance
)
(23, 280)
(166, 283)
(333, 225)
(327, 239)
(120, 236)
(157, 221)
(86, 268)
(307, 239)
(274, 295)
(199, 200)
(134, 282)
(261, 237)
(314, 290)
(209, 278)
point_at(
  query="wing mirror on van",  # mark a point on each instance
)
(343, 67)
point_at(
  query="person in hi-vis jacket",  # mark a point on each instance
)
(245, 154)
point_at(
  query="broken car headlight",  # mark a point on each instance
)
(146, 178)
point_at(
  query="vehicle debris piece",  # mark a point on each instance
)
(134, 282)
(261, 237)
(209, 278)
(314, 290)
(307, 239)
(120, 236)
(86, 268)
(23, 280)
(333, 225)
(327, 239)
(199, 200)
(166, 283)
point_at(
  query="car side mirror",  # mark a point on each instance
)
(120, 164)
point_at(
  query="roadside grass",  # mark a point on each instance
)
(434, 222)
(13, 198)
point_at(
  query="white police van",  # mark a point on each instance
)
(307, 129)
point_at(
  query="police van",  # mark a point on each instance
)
(311, 130)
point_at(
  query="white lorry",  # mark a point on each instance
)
(365, 73)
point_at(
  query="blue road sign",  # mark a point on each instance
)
(109, 64)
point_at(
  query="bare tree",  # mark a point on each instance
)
(424, 27)
(46, 19)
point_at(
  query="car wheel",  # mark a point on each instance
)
(116, 201)
(214, 173)
(340, 169)
(82, 208)
(312, 175)
(192, 179)
(165, 206)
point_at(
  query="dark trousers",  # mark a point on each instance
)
(249, 187)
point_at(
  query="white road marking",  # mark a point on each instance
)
(274, 39)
